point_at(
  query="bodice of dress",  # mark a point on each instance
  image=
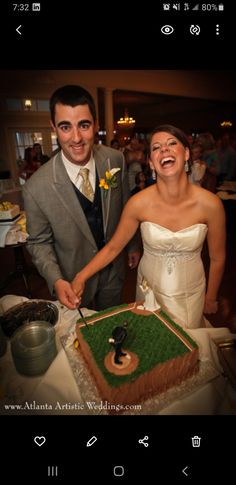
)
(177, 246)
(172, 265)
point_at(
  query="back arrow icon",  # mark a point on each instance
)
(184, 471)
(18, 29)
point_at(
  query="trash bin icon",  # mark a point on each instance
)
(196, 441)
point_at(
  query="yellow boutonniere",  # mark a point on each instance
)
(109, 180)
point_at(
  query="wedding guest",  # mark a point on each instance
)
(41, 157)
(210, 157)
(198, 166)
(140, 182)
(30, 164)
(227, 159)
(115, 144)
(135, 159)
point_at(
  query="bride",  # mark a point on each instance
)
(175, 217)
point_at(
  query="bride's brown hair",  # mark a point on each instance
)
(173, 130)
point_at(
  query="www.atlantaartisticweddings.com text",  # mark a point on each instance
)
(75, 406)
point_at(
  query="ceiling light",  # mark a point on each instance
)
(28, 104)
(126, 120)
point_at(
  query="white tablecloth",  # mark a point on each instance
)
(62, 390)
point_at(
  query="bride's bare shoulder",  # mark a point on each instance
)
(149, 191)
(204, 193)
(144, 194)
(207, 198)
(141, 200)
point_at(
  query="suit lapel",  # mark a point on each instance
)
(102, 166)
(62, 186)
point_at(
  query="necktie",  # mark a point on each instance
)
(86, 187)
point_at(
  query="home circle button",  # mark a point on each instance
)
(118, 471)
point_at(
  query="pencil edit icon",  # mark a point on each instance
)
(91, 441)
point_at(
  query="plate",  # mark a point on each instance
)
(10, 222)
(33, 348)
(28, 311)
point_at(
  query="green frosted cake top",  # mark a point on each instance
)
(147, 336)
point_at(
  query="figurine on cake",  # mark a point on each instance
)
(150, 302)
(118, 336)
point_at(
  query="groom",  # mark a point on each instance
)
(71, 212)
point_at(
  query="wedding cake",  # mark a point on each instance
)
(8, 211)
(156, 353)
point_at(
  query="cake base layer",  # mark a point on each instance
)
(166, 354)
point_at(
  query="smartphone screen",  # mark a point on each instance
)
(166, 64)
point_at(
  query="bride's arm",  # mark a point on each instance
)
(216, 246)
(126, 229)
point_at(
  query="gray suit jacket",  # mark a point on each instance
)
(60, 240)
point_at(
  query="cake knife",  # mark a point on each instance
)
(82, 316)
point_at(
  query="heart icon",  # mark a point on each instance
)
(39, 440)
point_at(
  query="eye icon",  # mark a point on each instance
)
(167, 29)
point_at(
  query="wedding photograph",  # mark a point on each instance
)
(117, 207)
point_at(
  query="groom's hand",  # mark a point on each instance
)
(66, 295)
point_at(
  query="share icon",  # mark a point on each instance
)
(143, 441)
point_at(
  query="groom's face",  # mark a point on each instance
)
(75, 129)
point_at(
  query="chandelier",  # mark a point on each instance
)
(126, 120)
(226, 124)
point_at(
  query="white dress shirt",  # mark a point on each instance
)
(73, 171)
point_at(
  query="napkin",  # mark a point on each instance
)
(8, 301)
(205, 338)
(11, 235)
(3, 234)
(58, 387)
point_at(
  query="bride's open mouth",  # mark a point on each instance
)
(167, 162)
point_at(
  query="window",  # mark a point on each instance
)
(18, 104)
(24, 140)
(14, 104)
(55, 145)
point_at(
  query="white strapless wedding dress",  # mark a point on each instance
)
(172, 265)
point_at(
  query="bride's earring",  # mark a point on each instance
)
(154, 175)
(186, 166)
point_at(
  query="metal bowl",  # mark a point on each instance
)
(33, 347)
(28, 311)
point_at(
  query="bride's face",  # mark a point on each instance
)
(167, 154)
